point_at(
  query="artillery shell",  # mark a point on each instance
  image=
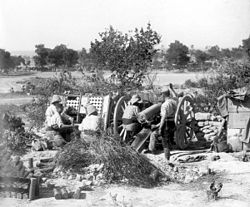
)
(77, 194)
(32, 189)
(30, 162)
(25, 196)
(65, 194)
(57, 194)
(19, 165)
(38, 181)
(13, 194)
(19, 195)
(4, 194)
(8, 194)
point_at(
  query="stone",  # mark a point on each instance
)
(204, 170)
(200, 123)
(87, 182)
(176, 169)
(99, 176)
(70, 177)
(89, 176)
(78, 177)
(188, 178)
(202, 116)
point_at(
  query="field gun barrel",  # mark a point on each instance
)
(149, 113)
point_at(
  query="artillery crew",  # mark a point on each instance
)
(55, 122)
(90, 123)
(130, 114)
(166, 127)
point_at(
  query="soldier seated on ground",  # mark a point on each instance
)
(91, 123)
(55, 122)
(129, 118)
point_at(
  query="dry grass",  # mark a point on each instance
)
(121, 163)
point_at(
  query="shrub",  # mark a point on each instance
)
(14, 136)
(223, 78)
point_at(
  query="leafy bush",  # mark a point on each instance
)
(14, 136)
(223, 78)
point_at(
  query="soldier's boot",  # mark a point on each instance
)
(167, 153)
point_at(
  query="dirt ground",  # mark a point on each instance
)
(233, 173)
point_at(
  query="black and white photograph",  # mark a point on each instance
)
(125, 103)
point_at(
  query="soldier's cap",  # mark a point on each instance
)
(91, 109)
(135, 99)
(56, 99)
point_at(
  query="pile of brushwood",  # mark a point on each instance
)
(120, 163)
(14, 136)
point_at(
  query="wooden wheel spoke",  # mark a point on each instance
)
(118, 112)
(183, 119)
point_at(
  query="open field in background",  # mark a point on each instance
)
(163, 78)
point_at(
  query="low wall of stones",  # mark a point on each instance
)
(207, 126)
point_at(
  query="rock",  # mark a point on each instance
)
(200, 123)
(99, 168)
(96, 183)
(176, 169)
(44, 179)
(57, 169)
(89, 176)
(154, 175)
(78, 177)
(87, 182)
(202, 116)
(99, 176)
(188, 178)
(71, 177)
(215, 157)
(204, 170)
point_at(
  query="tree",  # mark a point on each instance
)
(177, 54)
(246, 46)
(85, 60)
(237, 53)
(62, 56)
(7, 61)
(214, 52)
(129, 55)
(200, 56)
(41, 59)
(17, 60)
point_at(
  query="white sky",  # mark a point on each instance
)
(25, 23)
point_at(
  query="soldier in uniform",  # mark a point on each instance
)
(166, 127)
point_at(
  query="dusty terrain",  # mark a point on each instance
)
(231, 171)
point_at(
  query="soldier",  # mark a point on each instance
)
(54, 122)
(129, 117)
(166, 127)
